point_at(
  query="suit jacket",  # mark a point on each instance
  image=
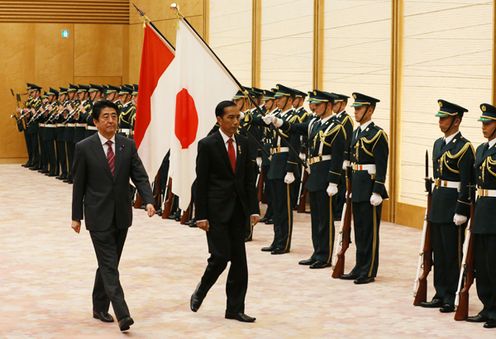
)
(104, 199)
(217, 186)
(485, 177)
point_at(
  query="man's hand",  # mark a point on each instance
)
(203, 224)
(459, 219)
(150, 210)
(375, 199)
(76, 225)
(277, 122)
(332, 189)
(267, 119)
(289, 178)
(259, 161)
(254, 218)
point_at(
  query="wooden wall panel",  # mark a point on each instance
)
(107, 80)
(160, 10)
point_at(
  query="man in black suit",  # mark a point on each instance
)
(225, 197)
(103, 165)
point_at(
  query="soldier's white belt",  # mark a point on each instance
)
(447, 184)
(481, 192)
(60, 125)
(279, 150)
(80, 125)
(125, 130)
(70, 125)
(42, 125)
(50, 125)
(91, 128)
(319, 158)
(364, 167)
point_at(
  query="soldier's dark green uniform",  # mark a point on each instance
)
(453, 159)
(90, 125)
(60, 136)
(32, 126)
(484, 223)
(70, 124)
(326, 142)
(51, 132)
(369, 156)
(127, 113)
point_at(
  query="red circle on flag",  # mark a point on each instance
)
(186, 124)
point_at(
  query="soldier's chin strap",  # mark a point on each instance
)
(363, 115)
(451, 124)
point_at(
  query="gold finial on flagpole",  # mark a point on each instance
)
(142, 14)
(175, 6)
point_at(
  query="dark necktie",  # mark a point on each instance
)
(110, 156)
(231, 153)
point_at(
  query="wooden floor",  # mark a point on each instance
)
(47, 270)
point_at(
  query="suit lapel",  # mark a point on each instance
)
(239, 154)
(223, 151)
(100, 154)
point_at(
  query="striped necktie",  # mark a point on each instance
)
(110, 156)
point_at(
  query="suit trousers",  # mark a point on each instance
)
(283, 214)
(366, 238)
(107, 288)
(485, 272)
(70, 156)
(226, 242)
(322, 226)
(447, 243)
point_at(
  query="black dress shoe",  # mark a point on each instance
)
(196, 300)
(269, 221)
(349, 276)
(240, 317)
(364, 280)
(62, 177)
(434, 303)
(309, 261)
(477, 319)
(103, 316)
(278, 251)
(268, 249)
(490, 324)
(125, 323)
(52, 174)
(34, 168)
(447, 308)
(320, 264)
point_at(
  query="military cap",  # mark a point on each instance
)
(488, 113)
(52, 91)
(44, 96)
(240, 94)
(135, 89)
(268, 95)
(339, 97)
(299, 93)
(125, 90)
(316, 97)
(256, 92)
(447, 109)
(283, 91)
(72, 88)
(363, 100)
(31, 87)
(111, 89)
(62, 90)
(95, 88)
(83, 88)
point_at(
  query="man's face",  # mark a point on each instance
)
(362, 113)
(229, 121)
(488, 129)
(239, 103)
(107, 121)
(62, 97)
(445, 123)
(312, 107)
(269, 104)
(110, 96)
(338, 107)
(71, 95)
(320, 109)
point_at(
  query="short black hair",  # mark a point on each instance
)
(99, 105)
(221, 106)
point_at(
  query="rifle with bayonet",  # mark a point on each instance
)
(425, 254)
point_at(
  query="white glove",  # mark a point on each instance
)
(308, 169)
(259, 161)
(277, 122)
(289, 178)
(241, 115)
(332, 189)
(267, 119)
(302, 156)
(346, 164)
(459, 219)
(375, 199)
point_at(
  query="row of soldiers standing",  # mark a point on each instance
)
(54, 122)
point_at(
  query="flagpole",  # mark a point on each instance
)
(175, 7)
(152, 25)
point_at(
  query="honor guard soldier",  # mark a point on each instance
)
(344, 119)
(369, 157)
(133, 117)
(70, 125)
(282, 172)
(483, 226)
(111, 94)
(51, 131)
(81, 114)
(453, 159)
(41, 120)
(60, 135)
(95, 92)
(32, 125)
(128, 111)
(326, 142)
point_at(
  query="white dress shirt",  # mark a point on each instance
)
(226, 138)
(103, 140)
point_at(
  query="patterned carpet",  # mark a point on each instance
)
(47, 270)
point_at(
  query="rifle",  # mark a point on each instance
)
(344, 237)
(168, 200)
(186, 214)
(138, 202)
(302, 193)
(425, 254)
(466, 271)
(260, 184)
(157, 194)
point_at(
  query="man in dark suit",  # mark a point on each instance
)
(225, 197)
(103, 165)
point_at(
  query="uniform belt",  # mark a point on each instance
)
(70, 125)
(446, 183)
(364, 167)
(319, 158)
(274, 150)
(91, 128)
(482, 192)
(50, 125)
(60, 125)
(41, 125)
(125, 130)
(80, 125)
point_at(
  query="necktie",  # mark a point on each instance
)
(231, 153)
(110, 156)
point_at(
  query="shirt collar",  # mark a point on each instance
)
(225, 137)
(103, 140)
(365, 125)
(339, 114)
(449, 138)
(323, 121)
(491, 143)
